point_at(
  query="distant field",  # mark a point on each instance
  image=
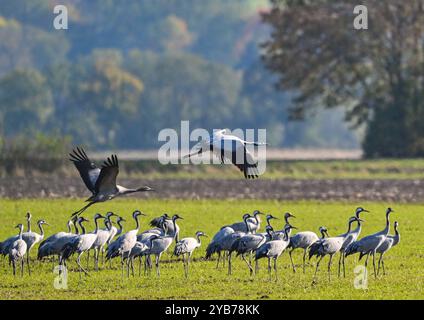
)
(285, 169)
(403, 263)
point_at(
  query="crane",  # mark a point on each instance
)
(186, 247)
(5, 245)
(302, 240)
(53, 245)
(123, 245)
(79, 244)
(32, 238)
(215, 245)
(389, 243)
(161, 243)
(230, 148)
(368, 245)
(349, 238)
(101, 239)
(18, 250)
(247, 244)
(273, 249)
(100, 181)
(329, 246)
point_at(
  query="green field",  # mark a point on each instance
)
(404, 263)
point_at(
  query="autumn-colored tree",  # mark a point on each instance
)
(377, 74)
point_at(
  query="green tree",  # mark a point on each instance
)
(377, 75)
(25, 102)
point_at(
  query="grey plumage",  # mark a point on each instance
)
(389, 243)
(100, 181)
(368, 245)
(186, 247)
(18, 250)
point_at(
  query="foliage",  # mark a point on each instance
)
(121, 73)
(375, 74)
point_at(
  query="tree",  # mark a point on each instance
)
(377, 75)
(25, 102)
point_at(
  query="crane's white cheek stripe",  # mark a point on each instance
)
(244, 148)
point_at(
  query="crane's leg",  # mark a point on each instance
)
(185, 262)
(219, 257)
(157, 265)
(27, 257)
(329, 267)
(275, 269)
(14, 267)
(88, 257)
(304, 260)
(139, 265)
(344, 265)
(340, 265)
(382, 263)
(291, 259)
(22, 267)
(248, 264)
(316, 269)
(122, 264)
(373, 263)
(132, 266)
(96, 257)
(229, 264)
(379, 262)
(225, 258)
(269, 269)
(80, 266)
(256, 266)
(366, 260)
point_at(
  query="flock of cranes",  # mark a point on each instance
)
(238, 239)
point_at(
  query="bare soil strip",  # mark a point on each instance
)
(280, 189)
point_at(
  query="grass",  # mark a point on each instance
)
(403, 263)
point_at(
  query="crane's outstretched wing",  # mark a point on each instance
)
(108, 174)
(88, 171)
(242, 159)
(156, 222)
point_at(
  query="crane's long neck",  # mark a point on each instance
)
(387, 228)
(174, 223)
(247, 226)
(198, 239)
(21, 230)
(268, 221)
(40, 226)
(69, 227)
(137, 224)
(96, 223)
(29, 224)
(121, 228)
(322, 234)
(82, 228)
(287, 232)
(257, 219)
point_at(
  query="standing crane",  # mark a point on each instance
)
(17, 251)
(186, 247)
(101, 239)
(215, 245)
(253, 223)
(350, 237)
(273, 249)
(230, 148)
(53, 245)
(389, 243)
(80, 244)
(32, 238)
(161, 243)
(247, 244)
(368, 245)
(100, 181)
(302, 240)
(5, 245)
(329, 246)
(123, 245)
